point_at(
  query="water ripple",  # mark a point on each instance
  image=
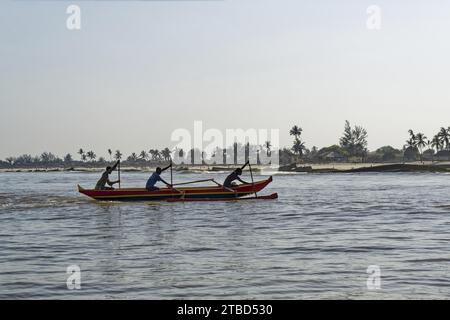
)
(315, 241)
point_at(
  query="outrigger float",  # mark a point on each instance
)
(181, 194)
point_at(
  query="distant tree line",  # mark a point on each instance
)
(352, 147)
(418, 146)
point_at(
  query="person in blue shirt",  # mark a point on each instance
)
(155, 177)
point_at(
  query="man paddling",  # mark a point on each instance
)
(233, 177)
(104, 180)
(155, 177)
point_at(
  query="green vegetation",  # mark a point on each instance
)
(352, 147)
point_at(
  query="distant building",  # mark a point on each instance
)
(334, 156)
(443, 155)
(428, 155)
(411, 154)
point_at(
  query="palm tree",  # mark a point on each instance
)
(203, 155)
(410, 143)
(421, 143)
(155, 154)
(180, 154)
(81, 153)
(166, 154)
(10, 160)
(118, 155)
(110, 154)
(429, 144)
(298, 147)
(133, 157)
(267, 145)
(152, 153)
(436, 143)
(411, 134)
(296, 131)
(91, 155)
(143, 155)
(444, 136)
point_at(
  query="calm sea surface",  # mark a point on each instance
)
(316, 241)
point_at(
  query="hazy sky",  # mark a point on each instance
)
(137, 70)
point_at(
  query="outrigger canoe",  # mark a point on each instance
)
(213, 193)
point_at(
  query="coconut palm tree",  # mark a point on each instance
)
(118, 155)
(10, 160)
(296, 131)
(91, 155)
(81, 153)
(267, 146)
(203, 155)
(132, 157)
(421, 143)
(444, 136)
(143, 155)
(436, 143)
(410, 143)
(298, 147)
(155, 153)
(152, 153)
(411, 134)
(166, 154)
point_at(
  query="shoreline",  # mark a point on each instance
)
(299, 168)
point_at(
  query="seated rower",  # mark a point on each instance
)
(101, 184)
(155, 177)
(234, 176)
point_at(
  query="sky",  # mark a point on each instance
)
(138, 70)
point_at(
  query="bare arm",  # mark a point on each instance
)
(163, 169)
(245, 164)
(165, 182)
(115, 165)
(111, 183)
(242, 181)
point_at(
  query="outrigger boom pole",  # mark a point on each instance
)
(118, 173)
(251, 174)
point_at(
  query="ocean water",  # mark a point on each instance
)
(315, 242)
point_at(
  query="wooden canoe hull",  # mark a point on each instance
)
(163, 194)
(267, 197)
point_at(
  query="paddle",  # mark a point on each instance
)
(171, 182)
(251, 174)
(171, 177)
(191, 182)
(118, 172)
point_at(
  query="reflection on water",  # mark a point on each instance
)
(315, 241)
